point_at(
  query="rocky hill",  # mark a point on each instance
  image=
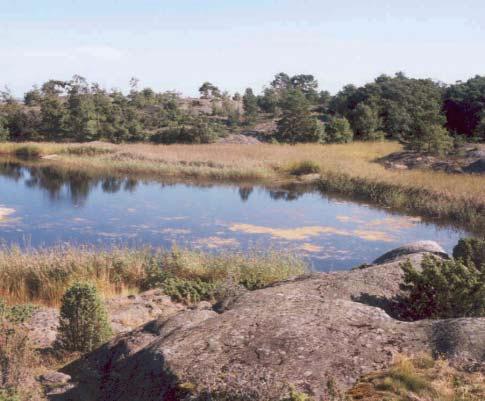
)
(303, 333)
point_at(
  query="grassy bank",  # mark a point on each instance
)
(420, 377)
(346, 169)
(41, 276)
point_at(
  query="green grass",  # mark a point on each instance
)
(304, 167)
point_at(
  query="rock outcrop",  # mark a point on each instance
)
(476, 167)
(412, 248)
(302, 332)
(126, 313)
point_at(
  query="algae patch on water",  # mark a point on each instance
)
(303, 233)
(5, 212)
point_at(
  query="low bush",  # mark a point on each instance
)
(83, 320)
(304, 167)
(189, 291)
(338, 130)
(374, 136)
(441, 289)
(471, 251)
(17, 313)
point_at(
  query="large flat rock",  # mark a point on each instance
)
(302, 332)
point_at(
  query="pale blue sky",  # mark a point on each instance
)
(178, 44)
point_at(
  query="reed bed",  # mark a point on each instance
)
(41, 276)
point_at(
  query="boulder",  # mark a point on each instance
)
(302, 332)
(412, 248)
(477, 166)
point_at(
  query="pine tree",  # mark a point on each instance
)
(83, 319)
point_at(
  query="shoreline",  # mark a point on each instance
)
(350, 171)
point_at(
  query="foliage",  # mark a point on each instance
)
(441, 289)
(83, 319)
(404, 105)
(297, 123)
(471, 252)
(338, 131)
(365, 120)
(250, 105)
(375, 136)
(208, 90)
(191, 277)
(189, 291)
(431, 139)
(17, 313)
(410, 110)
(304, 167)
(464, 105)
(4, 132)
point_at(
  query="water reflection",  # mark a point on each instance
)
(75, 186)
(44, 205)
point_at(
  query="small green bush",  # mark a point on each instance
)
(18, 313)
(83, 319)
(304, 167)
(338, 130)
(374, 136)
(471, 251)
(189, 291)
(9, 395)
(162, 272)
(442, 289)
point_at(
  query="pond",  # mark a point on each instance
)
(44, 206)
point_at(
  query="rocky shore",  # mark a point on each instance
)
(303, 332)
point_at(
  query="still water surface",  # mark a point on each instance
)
(43, 206)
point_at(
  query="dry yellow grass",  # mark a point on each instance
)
(266, 161)
(42, 276)
(422, 378)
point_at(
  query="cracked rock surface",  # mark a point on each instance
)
(300, 332)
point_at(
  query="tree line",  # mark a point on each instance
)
(423, 114)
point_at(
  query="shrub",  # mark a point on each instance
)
(433, 139)
(338, 131)
(471, 251)
(304, 167)
(189, 291)
(83, 319)
(17, 313)
(164, 272)
(442, 289)
(374, 136)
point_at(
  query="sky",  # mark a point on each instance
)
(178, 44)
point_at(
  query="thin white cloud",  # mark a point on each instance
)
(100, 53)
